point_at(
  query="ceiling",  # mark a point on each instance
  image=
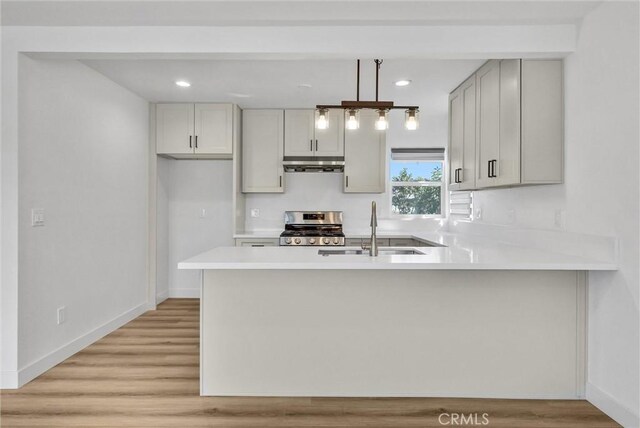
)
(291, 12)
(288, 83)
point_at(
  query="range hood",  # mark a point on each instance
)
(313, 164)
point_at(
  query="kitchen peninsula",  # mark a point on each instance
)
(466, 319)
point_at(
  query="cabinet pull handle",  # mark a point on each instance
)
(310, 145)
(347, 177)
(489, 169)
(280, 181)
(455, 175)
(459, 175)
(316, 145)
(196, 141)
(493, 168)
(190, 146)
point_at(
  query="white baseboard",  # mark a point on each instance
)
(36, 368)
(185, 293)
(614, 409)
(162, 297)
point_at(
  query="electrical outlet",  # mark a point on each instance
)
(62, 314)
(37, 217)
(255, 213)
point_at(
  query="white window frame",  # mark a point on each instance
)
(418, 158)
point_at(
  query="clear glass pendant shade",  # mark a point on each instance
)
(411, 119)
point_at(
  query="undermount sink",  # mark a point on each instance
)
(381, 252)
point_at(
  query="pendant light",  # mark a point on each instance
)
(352, 121)
(353, 107)
(411, 119)
(322, 118)
(382, 123)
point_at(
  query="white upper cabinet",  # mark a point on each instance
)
(213, 128)
(330, 142)
(487, 121)
(262, 151)
(365, 157)
(298, 133)
(518, 125)
(542, 122)
(506, 170)
(462, 136)
(301, 138)
(174, 128)
(194, 130)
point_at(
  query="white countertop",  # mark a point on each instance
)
(459, 253)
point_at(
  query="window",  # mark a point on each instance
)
(416, 181)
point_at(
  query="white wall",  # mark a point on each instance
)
(83, 150)
(323, 191)
(188, 187)
(600, 195)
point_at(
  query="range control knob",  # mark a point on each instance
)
(336, 241)
(325, 240)
(288, 240)
(297, 240)
(312, 241)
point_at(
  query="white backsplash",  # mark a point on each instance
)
(323, 192)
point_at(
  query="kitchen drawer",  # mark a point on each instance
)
(257, 242)
(403, 242)
(356, 242)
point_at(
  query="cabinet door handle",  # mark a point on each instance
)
(190, 146)
(196, 141)
(489, 169)
(310, 145)
(455, 175)
(459, 175)
(280, 181)
(493, 168)
(316, 145)
(347, 177)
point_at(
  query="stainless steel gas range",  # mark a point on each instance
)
(311, 228)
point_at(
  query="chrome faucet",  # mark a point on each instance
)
(373, 247)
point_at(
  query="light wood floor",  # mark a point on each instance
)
(146, 375)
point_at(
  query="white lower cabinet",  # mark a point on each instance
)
(262, 151)
(257, 242)
(365, 157)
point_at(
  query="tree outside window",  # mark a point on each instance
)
(416, 187)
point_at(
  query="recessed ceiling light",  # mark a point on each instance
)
(403, 82)
(183, 83)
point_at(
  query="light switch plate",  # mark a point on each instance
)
(62, 314)
(37, 217)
